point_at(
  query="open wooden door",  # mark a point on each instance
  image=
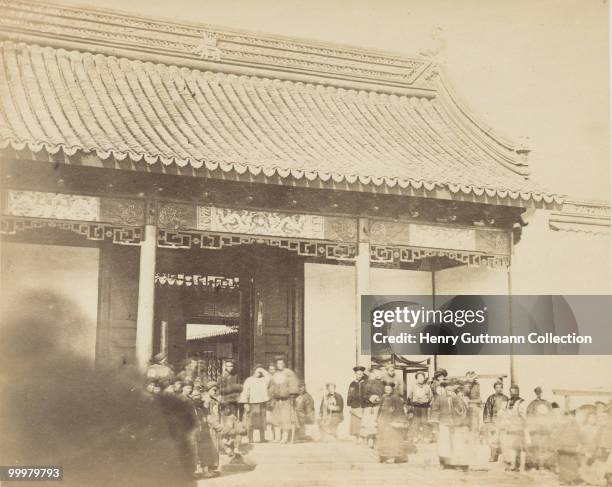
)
(277, 290)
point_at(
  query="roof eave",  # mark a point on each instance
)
(299, 179)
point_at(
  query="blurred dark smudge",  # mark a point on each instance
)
(99, 425)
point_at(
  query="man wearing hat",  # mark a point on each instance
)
(282, 389)
(374, 388)
(356, 400)
(419, 398)
(305, 412)
(392, 426)
(454, 447)
(495, 403)
(230, 385)
(472, 394)
(391, 375)
(438, 376)
(539, 428)
(512, 429)
(159, 369)
(538, 405)
(210, 427)
(331, 412)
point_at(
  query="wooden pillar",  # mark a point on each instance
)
(510, 325)
(362, 283)
(433, 262)
(146, 297)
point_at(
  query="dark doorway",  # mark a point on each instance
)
(243, 302)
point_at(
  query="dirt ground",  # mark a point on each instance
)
(344, 463)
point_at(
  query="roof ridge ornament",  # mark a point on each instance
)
(207, 47)
(523, 147)
(436, 51)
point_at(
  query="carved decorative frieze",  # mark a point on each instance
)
(251, 222)
(442, 237)
(387, 232)
(597, 210)
(91, 231)
(395, 233)
(58, 206)
(338, 228)
(122, 211)
(215, 241)
(176, 216)
(74, 207)
(579, 216)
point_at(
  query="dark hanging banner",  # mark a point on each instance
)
(486, 325)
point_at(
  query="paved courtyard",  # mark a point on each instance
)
(344, 463)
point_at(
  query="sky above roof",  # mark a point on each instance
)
(536, 68)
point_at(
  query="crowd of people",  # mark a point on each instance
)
(210, 418)
(526, 435)
(214, 418)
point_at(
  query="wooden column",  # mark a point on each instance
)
(146, 297)
(510, 324)
(362, 283)
(433, 264)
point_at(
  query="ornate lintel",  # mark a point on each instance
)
(395, 255)
(319, 249)
(124, 235)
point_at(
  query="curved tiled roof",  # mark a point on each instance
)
(64, 100)
(74, 101)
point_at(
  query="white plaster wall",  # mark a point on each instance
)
(397, 281)
(561, 262)
(329, 328)
(329, 320)
(548, 261)
(544, 262)
(473, 280)
(69, 272)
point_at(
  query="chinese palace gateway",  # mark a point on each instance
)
(214, 193)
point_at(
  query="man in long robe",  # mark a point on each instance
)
(512, 426)
(373, 393)
(182, 423)
(420, 398)
(539, 424)
(208, 435)
(331, 412)
(392, 426)
(305, 412)
(454, 447)
(472, 394)
(283, 389)
(571, 447)
(495, 403)
(230, 386)
(355, 400)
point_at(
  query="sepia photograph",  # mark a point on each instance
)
(305, 243)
